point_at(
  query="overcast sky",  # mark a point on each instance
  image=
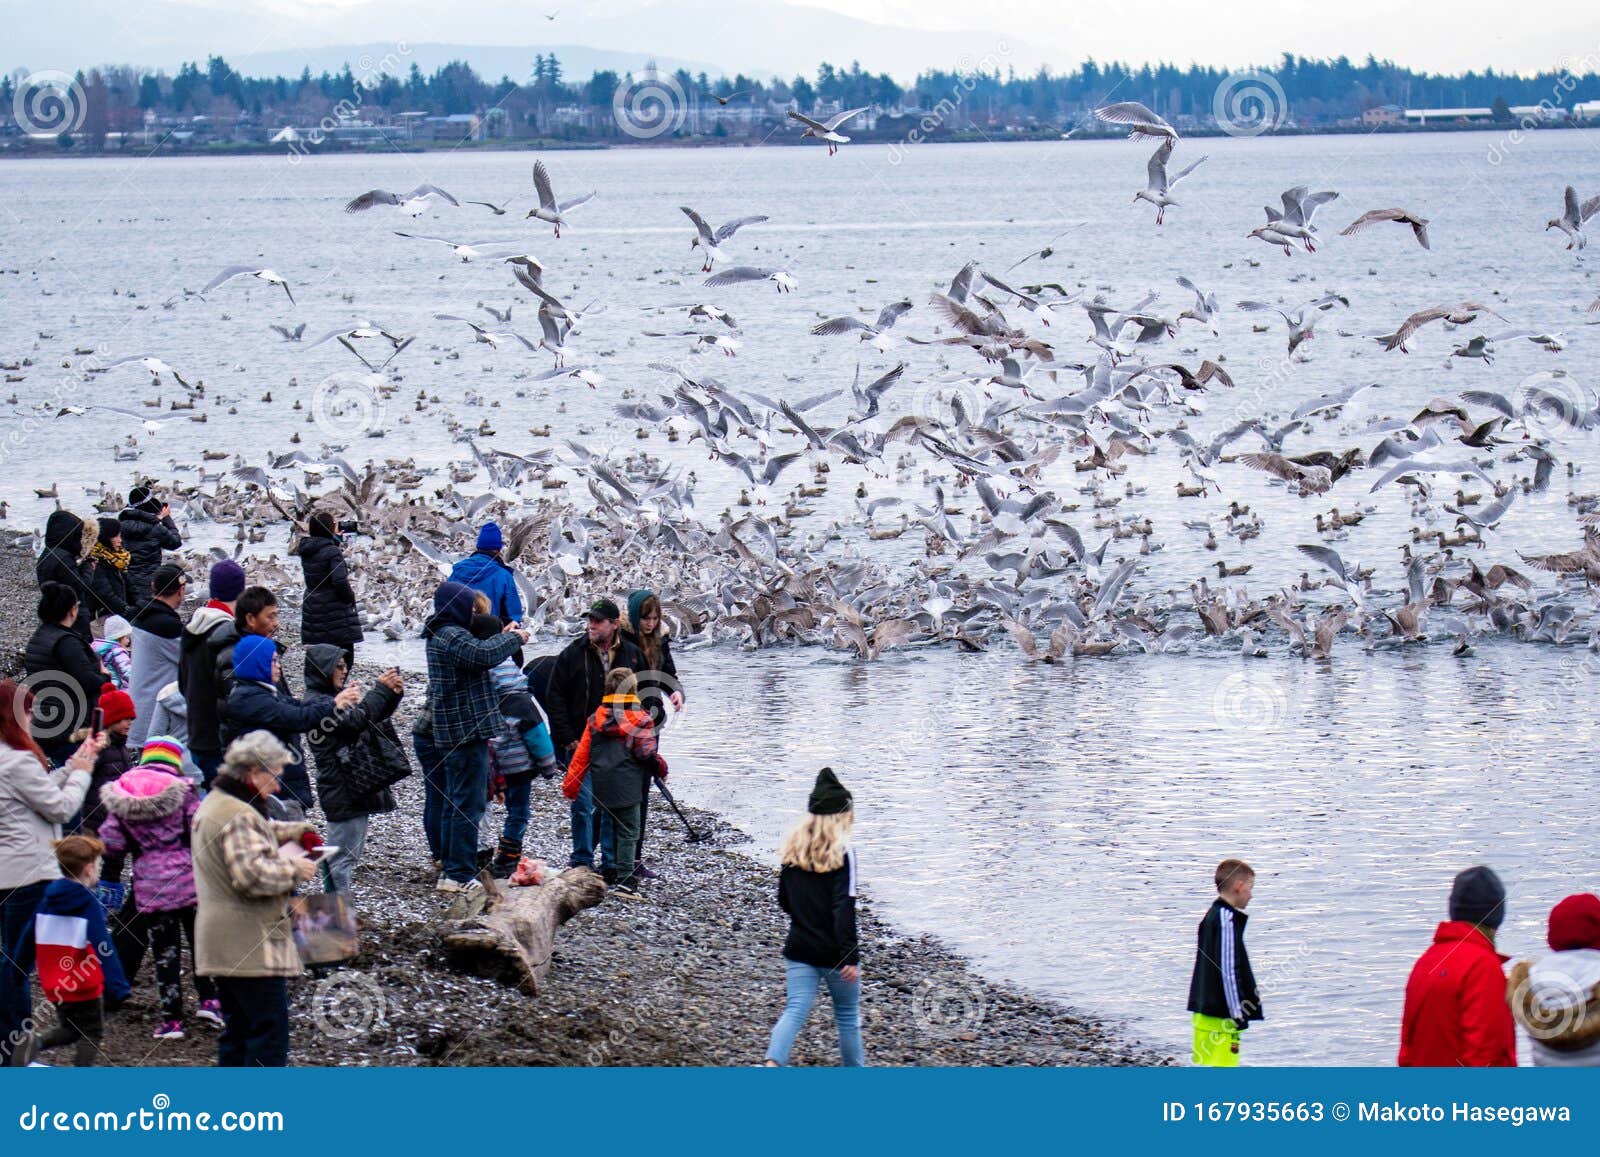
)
(1427, 34)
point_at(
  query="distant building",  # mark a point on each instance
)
(461, 126)
(1527, 112)
(1383, 115)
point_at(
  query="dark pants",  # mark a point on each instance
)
(255, 1022)
(644, 819)
(519, 810)
(466, 786)
(16, 998)
(620, 835)
(167, 933)
(433, 796)
(207, 762)
(80, 1023)
(130, 934)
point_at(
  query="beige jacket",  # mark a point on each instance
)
(243, 886)
(34, 803)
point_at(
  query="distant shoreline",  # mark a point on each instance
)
(544, 144)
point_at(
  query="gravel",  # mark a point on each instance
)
(690, 975)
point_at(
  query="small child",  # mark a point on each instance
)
(619, 747)
(149, 813)
(114, 650)
(116, 709)
(521, 751)
(1222, 991)
(78, 968)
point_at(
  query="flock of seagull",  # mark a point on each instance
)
(1025, 453)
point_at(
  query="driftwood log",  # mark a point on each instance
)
(514, 936)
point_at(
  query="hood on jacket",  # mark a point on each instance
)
(620, 715)
(144, 793)
(252, 658)
(321, 659)
(1557, 998)
(205, 618)
(65, 897)
(171, 699)
(64, 529)
(452, 607)
(635, 604)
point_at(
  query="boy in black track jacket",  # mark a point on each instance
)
(1222, 991)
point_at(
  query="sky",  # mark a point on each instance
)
(792, 35)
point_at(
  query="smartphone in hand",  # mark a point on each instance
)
(97, 722)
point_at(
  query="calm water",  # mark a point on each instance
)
(1059, 824)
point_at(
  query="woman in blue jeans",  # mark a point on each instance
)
(817, 888)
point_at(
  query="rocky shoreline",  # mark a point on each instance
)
(690, 975)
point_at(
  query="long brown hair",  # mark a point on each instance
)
(651, 644)
(16, 708)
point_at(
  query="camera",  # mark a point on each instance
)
(349, 526)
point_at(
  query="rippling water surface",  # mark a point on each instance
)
(1058, 823)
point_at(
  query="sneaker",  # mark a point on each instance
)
(643, 873)
(169, 1030)
(472, 886)
(625, 892)
(446, 884)
(210, 1012)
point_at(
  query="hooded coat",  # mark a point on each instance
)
(329, 613)
(145, 534)
(616, 753)
(63, 543)
(465, 705)
(210, 634)
(658, 680)
(1557, 1000)
(109, 585)
(149, 814)
(358, 755)
(255, 703)
(72, 944)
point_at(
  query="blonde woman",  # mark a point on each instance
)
(817, 888)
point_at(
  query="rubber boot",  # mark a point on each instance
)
(505, 858)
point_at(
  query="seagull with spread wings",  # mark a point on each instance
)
(549, 209)
(1419, 225)
(259, 272)
(1573, 217)
(413, 203)
(1160, 183)
(709, 241)
(1141, 122)
(738, 274)
(827, 130)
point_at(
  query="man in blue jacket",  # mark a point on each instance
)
(258, 703)
(486, 571)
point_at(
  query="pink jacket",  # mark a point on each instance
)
(148, 816)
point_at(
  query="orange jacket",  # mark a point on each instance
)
(623, 717)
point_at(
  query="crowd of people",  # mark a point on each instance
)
(174, 751)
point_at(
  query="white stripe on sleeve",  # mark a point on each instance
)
(1230, 982)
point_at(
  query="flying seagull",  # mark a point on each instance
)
(1419, 225)
(549, 208)
(413, 202)
(709, 240)
(1141, 121)
(233, 271)
(827, 130)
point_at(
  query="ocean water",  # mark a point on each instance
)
(1057, 823)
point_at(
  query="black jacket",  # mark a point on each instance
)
(822, 915)
(658, 682)
(256, 706)
(144, 536)
(63, 541)
(359, 755)
(329, 613)
(55, 648)
(1223, 984)
(208, 636)
(577, 684)
(110, 588)
(114, 759)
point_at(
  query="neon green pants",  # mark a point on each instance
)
(1216, 1042)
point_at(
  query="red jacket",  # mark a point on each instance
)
(1456, 1011)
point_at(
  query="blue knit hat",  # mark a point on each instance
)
(489, 537)
(252, 658)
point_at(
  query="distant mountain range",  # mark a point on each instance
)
(758, 37)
